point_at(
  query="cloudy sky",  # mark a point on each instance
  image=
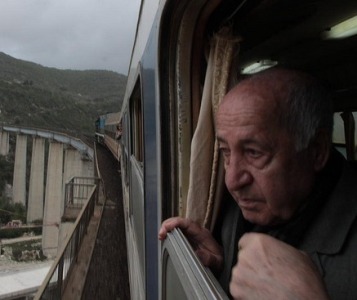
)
(70, 34)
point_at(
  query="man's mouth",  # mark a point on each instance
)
(248, 203)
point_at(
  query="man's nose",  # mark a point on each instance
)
(237, 175)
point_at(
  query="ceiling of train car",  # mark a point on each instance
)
(290, 32)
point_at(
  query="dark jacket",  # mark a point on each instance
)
(326, 230)
(331, 240)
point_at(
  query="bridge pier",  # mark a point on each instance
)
(37, 176)
(53, 200)
(19, 181)
(87, 168)
(4, 143)
(72, 167)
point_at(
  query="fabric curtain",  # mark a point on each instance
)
(206, 173)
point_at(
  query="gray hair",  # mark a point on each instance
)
(306, 103)
(308, 110)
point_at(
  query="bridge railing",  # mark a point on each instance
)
(55, 282)
(77, 190)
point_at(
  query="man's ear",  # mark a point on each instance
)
(321, 147)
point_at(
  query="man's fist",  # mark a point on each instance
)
(270, 269)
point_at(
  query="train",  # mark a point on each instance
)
(108, 132)
(186, 55)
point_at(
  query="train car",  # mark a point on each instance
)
(108, 132)
(186, 55)
(99, 129)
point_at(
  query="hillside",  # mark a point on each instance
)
(33, 95)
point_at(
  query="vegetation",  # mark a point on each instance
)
(63, 100)
(10, 211)
(10, 233)
(35, 96)
(6, 172)
(27, 251)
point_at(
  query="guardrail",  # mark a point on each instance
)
(55, 282)
(77, 190)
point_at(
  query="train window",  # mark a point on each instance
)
(125, 145)
(344, 134)
(173, 288)
(136, 112)
(197, 283)
(271, 31)
(136, 185)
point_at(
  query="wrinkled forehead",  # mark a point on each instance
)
(259, 99)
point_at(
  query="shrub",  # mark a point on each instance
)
(10, 233)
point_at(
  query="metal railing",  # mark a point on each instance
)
(55, 282)
(77, 190)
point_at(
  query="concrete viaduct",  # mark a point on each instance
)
(67, 157)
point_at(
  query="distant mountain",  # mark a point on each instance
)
(37, 96)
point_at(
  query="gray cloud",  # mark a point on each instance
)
(70, 34)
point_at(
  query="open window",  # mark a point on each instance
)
(136, 188)
(184, 277)
(136, 114)
(344, 133)
(236, 35)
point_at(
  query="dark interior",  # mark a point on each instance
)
(291, 33)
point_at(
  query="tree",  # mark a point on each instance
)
(6, 172)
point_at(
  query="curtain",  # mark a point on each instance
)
(206, 173)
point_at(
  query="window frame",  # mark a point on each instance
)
(197, 281)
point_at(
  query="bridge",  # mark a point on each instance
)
(64, 189)
(43, 195)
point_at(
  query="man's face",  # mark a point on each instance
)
(266, 176)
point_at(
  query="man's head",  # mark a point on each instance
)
(274, 130)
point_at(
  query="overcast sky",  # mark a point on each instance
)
(70, 34)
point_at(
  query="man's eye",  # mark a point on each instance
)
(225, 151)
(253, 153)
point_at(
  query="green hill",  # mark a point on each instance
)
(36, 96)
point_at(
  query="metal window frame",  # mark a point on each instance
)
(197, 280)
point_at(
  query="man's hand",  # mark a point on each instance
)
(202, 241)
(270, 269)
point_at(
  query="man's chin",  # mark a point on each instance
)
(256, 217)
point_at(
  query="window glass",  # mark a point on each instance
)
(339, 137)
(137, 124)
(173, 288)
(184, 276)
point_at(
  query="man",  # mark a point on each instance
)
(293, 234)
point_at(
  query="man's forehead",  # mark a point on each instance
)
(247, 107)
(272, 82)
(247, 96)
